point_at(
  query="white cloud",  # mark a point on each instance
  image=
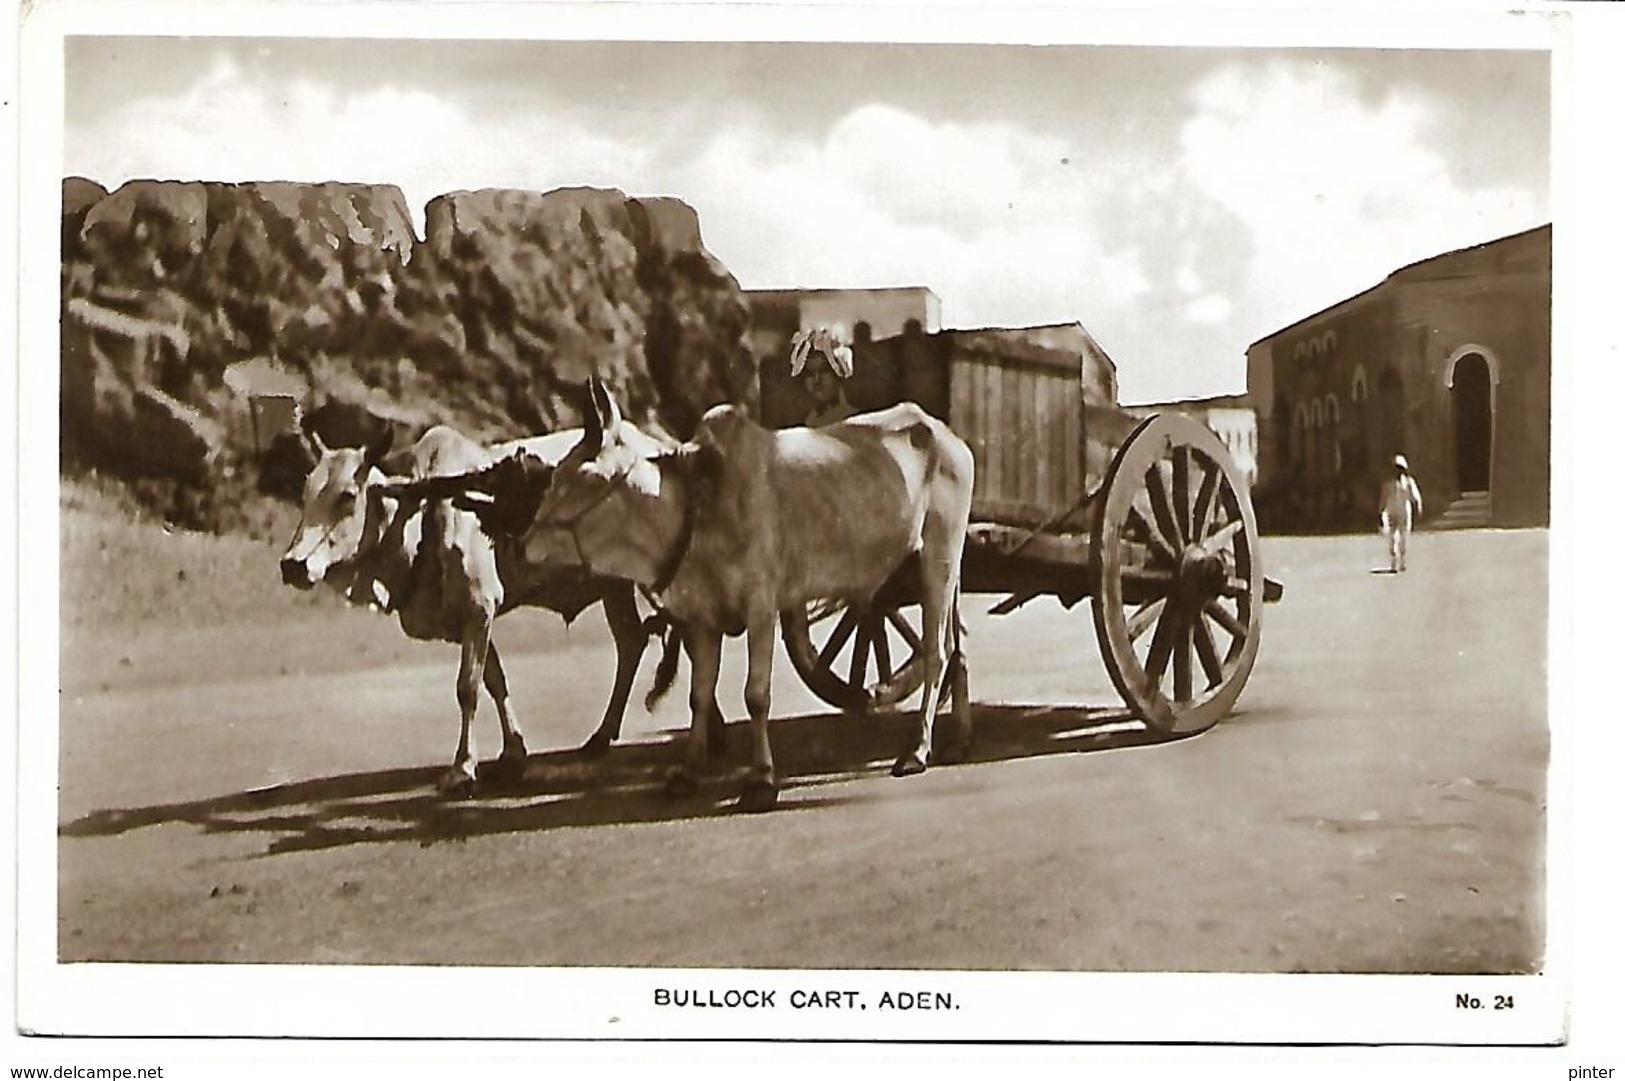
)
(231, 128)
(987, 215)
(1208, 310)
(1338, 189)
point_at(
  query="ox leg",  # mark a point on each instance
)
(956, 687)
(458, 782)
(761, 786)
(705, 665)
(933, 614)
(621, 613)
(511, 765)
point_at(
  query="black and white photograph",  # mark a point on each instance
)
(801, 524)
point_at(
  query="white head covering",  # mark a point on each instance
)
(822, 341)
(1399, 460)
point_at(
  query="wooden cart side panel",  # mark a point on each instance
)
(992, 418)
(1024, 422)
(1072, 438)
(1007, 432)
(1107, 429)
(964, 416)
(1046, 462)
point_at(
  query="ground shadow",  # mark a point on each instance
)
(565, 788)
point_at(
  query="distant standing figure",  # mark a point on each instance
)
(823, 363)
(1401, 507)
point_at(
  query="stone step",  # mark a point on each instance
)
(1470, 511)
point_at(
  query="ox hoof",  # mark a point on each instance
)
(759, 795)
(952, 754)
(506, 770)
(597, 746)
(456, 785)
(908, 765)
(680, 784)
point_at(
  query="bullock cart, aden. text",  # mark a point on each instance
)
(1151, 520)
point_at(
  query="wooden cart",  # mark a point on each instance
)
(1150, 519)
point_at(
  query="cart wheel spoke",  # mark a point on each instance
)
(860, 658)
(1154, 536)
(1202, 516)
(837, 639)
(1237, 588)
(1220, 615)
(1144, 618)
(1182, 657)
(1162, 509)
(1162, 647)
(910, 635)
(1222, 537)
(1182, 493)
(1207, 652)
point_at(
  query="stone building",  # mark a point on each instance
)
(1231, 417)
(854, 315)
(1447, 361)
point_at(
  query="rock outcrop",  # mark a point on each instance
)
(491, 322)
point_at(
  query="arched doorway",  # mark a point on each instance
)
(1470, 401)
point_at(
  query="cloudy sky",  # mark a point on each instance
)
(1179, 202)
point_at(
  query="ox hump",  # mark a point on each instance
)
(444, 452)
(724, 426)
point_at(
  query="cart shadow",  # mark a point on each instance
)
(564, 788)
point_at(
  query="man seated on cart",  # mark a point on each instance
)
(822, 363)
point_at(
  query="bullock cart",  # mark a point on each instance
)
(1150, 519)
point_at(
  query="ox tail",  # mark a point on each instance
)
(956, 649)
(662, 627)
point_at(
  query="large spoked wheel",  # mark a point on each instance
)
(856, 658)
(1179, 589)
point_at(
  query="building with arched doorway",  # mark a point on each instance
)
(1447, 361)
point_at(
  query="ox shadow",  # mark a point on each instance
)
(565, 789)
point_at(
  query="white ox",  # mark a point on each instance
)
(744, 523)
(446, 579)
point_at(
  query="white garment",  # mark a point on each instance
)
(838, 411)
(1401, 503)
(1401, 506)
(1398, 542)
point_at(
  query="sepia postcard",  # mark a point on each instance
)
(813, 524)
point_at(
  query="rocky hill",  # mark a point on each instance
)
(195, 314)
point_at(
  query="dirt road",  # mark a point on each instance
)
(263, 792)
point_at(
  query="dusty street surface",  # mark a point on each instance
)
(262, 791)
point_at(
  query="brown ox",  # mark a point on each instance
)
(446, 579)
(744, 523)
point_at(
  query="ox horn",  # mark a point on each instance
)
(592, 426)
(602, 417)
(379, 446)
(312, 440)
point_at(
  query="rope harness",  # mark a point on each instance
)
(660, 624)
(669, 566)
